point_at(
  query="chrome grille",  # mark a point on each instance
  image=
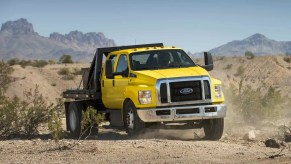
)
(170, 91)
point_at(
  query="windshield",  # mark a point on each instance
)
(160, 59)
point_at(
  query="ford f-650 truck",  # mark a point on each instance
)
(140, 86)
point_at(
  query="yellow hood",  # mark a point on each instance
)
(174, 72)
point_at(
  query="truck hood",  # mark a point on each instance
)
(174, 72)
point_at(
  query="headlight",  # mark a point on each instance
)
(145, 97)
(218, 91)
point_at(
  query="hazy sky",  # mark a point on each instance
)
(189, 24)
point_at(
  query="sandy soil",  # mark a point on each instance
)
(113, 146)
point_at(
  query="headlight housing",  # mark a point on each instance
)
(218, 91)
(145, 97)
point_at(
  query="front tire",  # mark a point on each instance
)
(213, 128)
(75, 117)
(132, 123)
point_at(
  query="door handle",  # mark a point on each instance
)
(113, 83)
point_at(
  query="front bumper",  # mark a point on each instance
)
(184, 113)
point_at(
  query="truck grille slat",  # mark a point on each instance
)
(164, 93)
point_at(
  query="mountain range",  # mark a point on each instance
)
(258, 44)
(19, 40)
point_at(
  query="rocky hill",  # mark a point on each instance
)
(257, 44)
(19, 40)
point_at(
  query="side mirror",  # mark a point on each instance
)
(208, 61)
(109, 69)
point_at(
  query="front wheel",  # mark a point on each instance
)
(132, 123)
(213, 128)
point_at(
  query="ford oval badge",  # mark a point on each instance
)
(186, 91)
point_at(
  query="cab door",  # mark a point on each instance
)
(107, 85)
(120, 81)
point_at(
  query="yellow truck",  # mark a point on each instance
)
(149, 85)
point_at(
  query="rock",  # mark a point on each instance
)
(250, 136)
(272, 143)
(287, 137)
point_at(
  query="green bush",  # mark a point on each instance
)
(52, 62)
(39, 63)
(249, 55)
(34, 111)
(66, 59)
(255, 105)
(64, 71)
(76, 71)
(23, 117)
(5, 78)
(287, 59)
(55, 122)
(90, 119)
(10, 118)
(24, 63)
(13, 61)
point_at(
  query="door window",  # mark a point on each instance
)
(122, 65)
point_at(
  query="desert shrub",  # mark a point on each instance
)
(68, 77)
(64, 71)
(35, 111)
(287, 59)
(23, 117)
(55, 121)
(10, 121)
(228, 66)
(52, 62)
(249, 55)
(240, 71)
(24, 63)
(76, 71)
(5, 78)
(90, 119)
(39, 63)
(53, 84)
(13, 61)
(255, 105)
(66, 59)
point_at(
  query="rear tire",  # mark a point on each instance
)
(132, 123)
(75, 117)
(213, 128)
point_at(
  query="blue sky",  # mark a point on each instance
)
(190, 24)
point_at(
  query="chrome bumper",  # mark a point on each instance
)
(175, 114)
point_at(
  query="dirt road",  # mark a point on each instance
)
(113, 146)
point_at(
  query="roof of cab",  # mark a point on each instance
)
(131, 50)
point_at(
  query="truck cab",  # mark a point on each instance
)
(146, 86)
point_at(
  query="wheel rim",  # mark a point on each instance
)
(130, 119)
(73, 119)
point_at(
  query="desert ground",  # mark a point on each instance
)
(158, 146)
(114, 147)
